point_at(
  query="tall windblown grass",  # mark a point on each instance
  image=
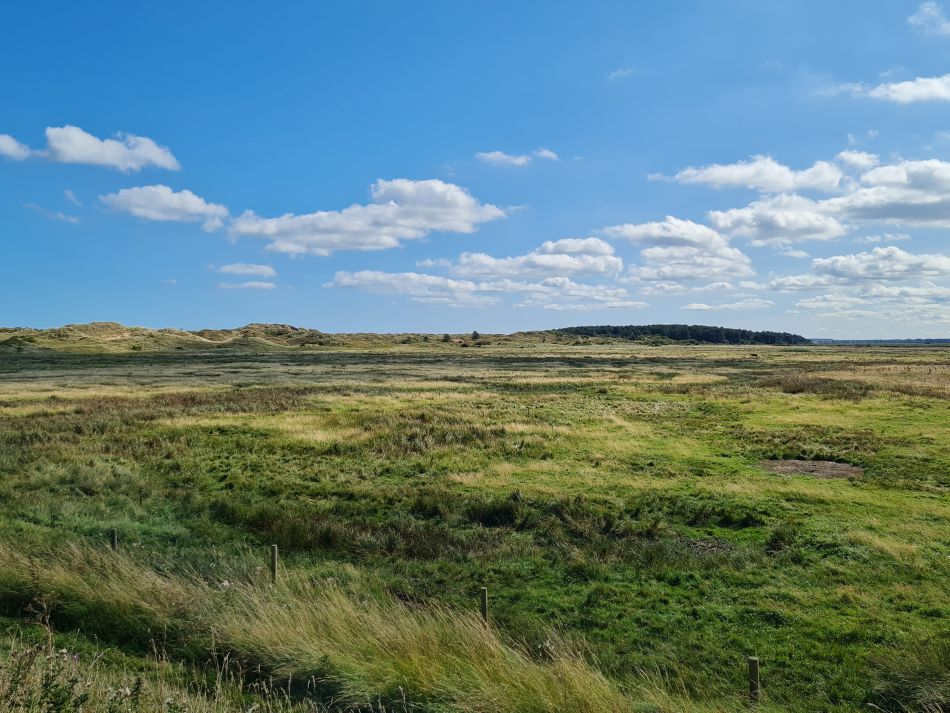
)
(356, 646)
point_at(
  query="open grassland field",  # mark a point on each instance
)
(618, 501)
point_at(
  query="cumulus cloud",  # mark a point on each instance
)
(905, 192)
(747, 304)
(884, 274)
(576, 246)
(885, 238)
(11, 148)
(402, 209)
(920, 89)
(500, 158)
(927, 303)
(682, 250)
(162, 203)
(887, 263)
(553, 293)
(861, 160)
(670, 231)
(242, 268)
(912, 193)
(930, 18)
(762, 173)
(832, 301)
(546, 154)
(126, 152)
(252, 285)
(571, 256)
(779, 220)
(419, 287)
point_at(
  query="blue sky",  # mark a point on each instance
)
(433, 166)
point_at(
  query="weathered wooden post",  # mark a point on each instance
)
(754, 688)
(273, 564)
(484, 604)
(114, 539)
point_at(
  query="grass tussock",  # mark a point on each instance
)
(357, 646)
(42, 678)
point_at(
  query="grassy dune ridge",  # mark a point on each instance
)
(611, 496)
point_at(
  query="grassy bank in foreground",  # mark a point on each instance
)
(348, 645)
(611, 497)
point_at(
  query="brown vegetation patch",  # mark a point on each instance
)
(816, 468)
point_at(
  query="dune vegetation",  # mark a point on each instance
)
(644, 518)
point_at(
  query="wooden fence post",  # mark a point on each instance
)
(273, 564)
(754, 688)
(114, 539)
(484, 604)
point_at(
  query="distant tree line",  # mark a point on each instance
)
(685, 333)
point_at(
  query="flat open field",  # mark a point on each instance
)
(621, 503)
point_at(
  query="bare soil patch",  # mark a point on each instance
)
(816, 468)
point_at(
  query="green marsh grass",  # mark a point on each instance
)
(609, 495)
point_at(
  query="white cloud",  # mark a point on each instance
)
(763, 173)
(926, 304)
(920, 89)
(417, 286)
(571, 256)
(930, 18)
(252, 285)
(833, 301)
(561, 293)
(669, 232)
(11, 148)
(71, 197)
(127, 152)
(885, 238)
(679, 288)
(580, 246)
(685, 263)
(621, 73)
(546, 154)
(162, 203)
(536, 264)
(402, 209)
(791, 252)
(798, 283)
(888, 263)
(751, 303)
(584, 306)
(779, 220)
(682, 250)
(861, 160)
(500, 158)
(242, 268)
(927, 290)
(906, 192)
(554, 293)
(53, 215)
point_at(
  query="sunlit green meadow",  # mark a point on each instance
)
(612, 497)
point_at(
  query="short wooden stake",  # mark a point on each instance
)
(754, 689)
(114, 539)
(484, 604)
(273, 564)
